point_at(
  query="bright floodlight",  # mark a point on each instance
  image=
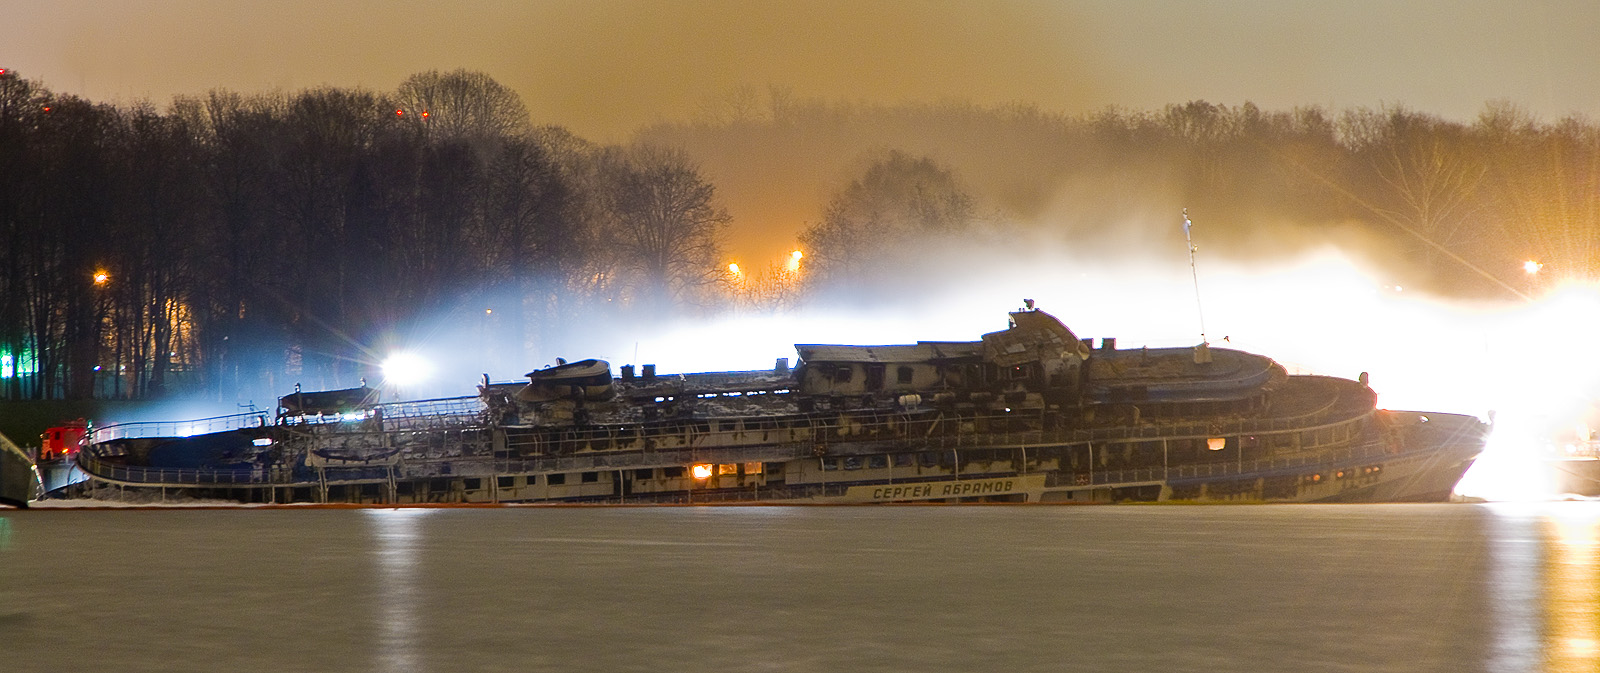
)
(733, 268)
(406, 368)
(1531, 266)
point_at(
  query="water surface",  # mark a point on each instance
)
(1008, 588)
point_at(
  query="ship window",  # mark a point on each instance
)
(725, 426)
(672, 472)
(929, 458)
(852, 463)
(829, 464)
(556, 479)
(507, 482)
(727, 468)
(753, 468)
(643, 473)
(842, 375)
(875, 376)
(904, 459)
(903, 374)
(876, 462)
(591, 477)
(472, 484)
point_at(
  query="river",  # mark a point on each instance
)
(1502, 587)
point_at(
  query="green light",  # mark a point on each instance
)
(12, 365)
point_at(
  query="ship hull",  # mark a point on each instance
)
(19, 479)
(1425, 469)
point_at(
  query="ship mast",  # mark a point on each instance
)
(1202, 352)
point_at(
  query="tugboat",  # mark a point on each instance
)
(1030, 413)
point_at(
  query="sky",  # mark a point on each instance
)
(603, 68)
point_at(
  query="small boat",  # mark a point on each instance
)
(582, 380)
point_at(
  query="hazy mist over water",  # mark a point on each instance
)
(1273, 588)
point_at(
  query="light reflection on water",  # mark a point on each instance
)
(1573, 581)
(398, 533)
(1546, 586)
(1496, 588)
(1514, 576)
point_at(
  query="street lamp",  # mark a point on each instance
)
(1532, 268)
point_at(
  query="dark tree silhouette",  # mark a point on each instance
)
(663, 226)
(899, 200)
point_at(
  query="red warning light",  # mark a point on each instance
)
(399, 113)
(424, 114)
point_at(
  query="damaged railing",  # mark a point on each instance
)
(199, 426)
(133, 474)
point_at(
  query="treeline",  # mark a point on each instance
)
(237, 241)
(1455, 207)
(233, 242)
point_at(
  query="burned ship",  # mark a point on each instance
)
(1030, 413)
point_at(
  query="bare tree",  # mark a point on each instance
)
(665, 225)
(462, 105)
(898, 200)
(1423, 175)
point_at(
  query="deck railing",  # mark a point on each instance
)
(188, 428)
(133, 474)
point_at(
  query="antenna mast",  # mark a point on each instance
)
(1199, 308)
